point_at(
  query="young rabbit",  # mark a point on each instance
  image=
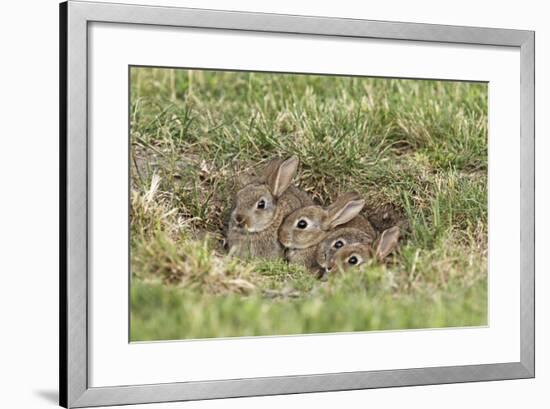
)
(337, 239)
(355, 254)
(259, 209)
(306, 227)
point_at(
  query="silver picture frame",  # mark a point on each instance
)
(75, 16)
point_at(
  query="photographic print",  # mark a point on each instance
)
(283, 204)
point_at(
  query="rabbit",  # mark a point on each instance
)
(306, 227)
(355, 254)
(259, 209)
(337, 239)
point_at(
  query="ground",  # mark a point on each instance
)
(416, 146)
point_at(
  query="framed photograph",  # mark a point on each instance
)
(259, 204)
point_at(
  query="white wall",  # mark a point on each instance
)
(28, 201)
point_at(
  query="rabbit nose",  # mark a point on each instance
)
(239, 219)
(322, 274)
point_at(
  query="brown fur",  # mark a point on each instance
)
(360, 222)
(347, 235)
(257, 235)
(362, 251)
(301, 244)
(305, 257)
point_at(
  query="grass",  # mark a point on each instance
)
(417, 146)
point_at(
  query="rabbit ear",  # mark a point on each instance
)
(338, 215)
(280, 175)
(387, 242)
(271, 167)
(342, 200)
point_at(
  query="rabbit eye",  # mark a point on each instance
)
(353, 260)
(338, 244)
(302, 224)
(261, 204)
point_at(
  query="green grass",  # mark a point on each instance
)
(420, 146)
